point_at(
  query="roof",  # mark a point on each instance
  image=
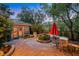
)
(17, 22)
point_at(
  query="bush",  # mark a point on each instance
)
(44, 37)
(27, 36)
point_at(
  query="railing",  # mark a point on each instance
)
(65, 45)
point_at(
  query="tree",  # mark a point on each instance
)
(34, 17)
(67, 12)
(5, 24)
(5, 27)
(25, 15)
(5, 10)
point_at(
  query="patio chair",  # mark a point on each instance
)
(55, 40)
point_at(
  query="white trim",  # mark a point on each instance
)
(63, 38)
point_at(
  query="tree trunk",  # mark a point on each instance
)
(72, 34)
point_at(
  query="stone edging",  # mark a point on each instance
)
(47, 41)
(10, 51)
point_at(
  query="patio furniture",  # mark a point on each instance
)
(55, 40)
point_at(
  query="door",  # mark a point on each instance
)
(20, 32)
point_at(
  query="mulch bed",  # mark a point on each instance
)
(5, 49)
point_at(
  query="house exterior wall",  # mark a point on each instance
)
(20, 30)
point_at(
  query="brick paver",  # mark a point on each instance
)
(30, 47)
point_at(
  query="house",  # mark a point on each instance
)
(20, 29)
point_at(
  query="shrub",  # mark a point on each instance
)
(27, 36)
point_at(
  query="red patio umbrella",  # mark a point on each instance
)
(54, 30)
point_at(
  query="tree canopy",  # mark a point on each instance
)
(5, 10)
(68, 13)
(32, 16)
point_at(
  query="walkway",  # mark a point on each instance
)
(30, 47)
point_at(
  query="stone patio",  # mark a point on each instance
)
(30, 47)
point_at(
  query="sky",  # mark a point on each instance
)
(16, 7)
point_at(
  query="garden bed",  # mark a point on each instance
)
(43, 38)
(7, 50)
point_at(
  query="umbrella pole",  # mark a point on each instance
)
(51, 38)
